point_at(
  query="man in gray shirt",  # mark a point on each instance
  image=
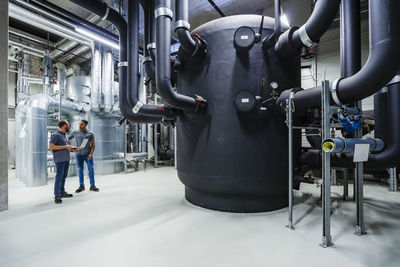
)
(61, 148)
(84, 154)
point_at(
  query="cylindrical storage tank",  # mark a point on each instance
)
(235, 157)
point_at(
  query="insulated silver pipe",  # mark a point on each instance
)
(43, 23)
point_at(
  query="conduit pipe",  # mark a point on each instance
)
(43, 23)
(290, 43)
(163, 14)
(382, 65)
(190, 45)
(346, 145)
(112, 16)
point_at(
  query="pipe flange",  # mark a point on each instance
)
(182, 24)
(163, 11)
(334, 92)
(106, 14)
(395, 80)
(147, 59)
(305, 39)
(137, 107)
(151, 46)
(123, 64)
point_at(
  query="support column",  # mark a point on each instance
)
(3, 105)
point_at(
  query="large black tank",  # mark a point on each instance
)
(235, 157)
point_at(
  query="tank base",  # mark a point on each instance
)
(234, 203)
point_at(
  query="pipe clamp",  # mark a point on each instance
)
(395, 80)
(182, 24)
(151, 46)
(147, 59)
(106, 14)
(163, 11)
(137, 107)
(334, 92)
(123, 64)
(305, 39)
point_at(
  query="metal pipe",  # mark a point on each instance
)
(72, 18)
(37, 50)
(347, 145)
(30, 36)
(95, 93)
(108, 80)
(40, 22)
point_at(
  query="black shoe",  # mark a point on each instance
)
(80, 189)
(94, 188)
(65, 195)
(57, 200)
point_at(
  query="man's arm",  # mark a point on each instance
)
(92, 147)
(55, 147)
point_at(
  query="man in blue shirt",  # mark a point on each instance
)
(61, 148)
(84, 154)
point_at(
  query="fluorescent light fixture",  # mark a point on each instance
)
(285, 20)
(97, 38)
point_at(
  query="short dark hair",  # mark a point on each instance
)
(85, 122)
(62, 123)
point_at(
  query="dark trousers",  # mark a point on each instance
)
(62, 173)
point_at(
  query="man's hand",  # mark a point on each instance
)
(90, 157)
(69, 147)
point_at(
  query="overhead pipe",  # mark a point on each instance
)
(47, 8)
(192, 46)
(271, 41)
(293, 40)
(48, 25)
(139, 115)
(382, 65)
(163, 14)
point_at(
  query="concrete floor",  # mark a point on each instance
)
(142, 219)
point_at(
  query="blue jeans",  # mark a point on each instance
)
(62, 173)
(79, 161)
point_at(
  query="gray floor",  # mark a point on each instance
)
(142, 219)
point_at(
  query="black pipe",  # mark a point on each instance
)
(291, 42)
(66, 15)
(271, 41)
(163, 64)
(382, 65)
(149, 38)
(350, 31)
(216, 8)
(190, 45)
(101, 9)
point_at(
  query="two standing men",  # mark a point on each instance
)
(59, 144)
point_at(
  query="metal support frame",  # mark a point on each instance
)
(289, 121)
(345, 184)
(334, 177)
(359, 189)
(393, 179)
(125, 148)
(155, 128)
(326, 170)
